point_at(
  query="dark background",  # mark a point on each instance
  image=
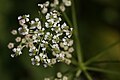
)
(99, 27)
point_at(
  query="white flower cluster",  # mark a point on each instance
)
(48, 42)
(58, 77)
(57, 4)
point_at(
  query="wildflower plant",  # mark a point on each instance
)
(49, 40)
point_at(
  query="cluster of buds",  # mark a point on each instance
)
(56, 4)
(48, 42)
(59, 76)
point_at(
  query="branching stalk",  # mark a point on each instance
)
(103, 70)
(101, 53)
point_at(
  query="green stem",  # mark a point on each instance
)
(78, 47)
(107, 62)
(79, 71)
(102, 70)
(84, 70)
(38, 49)
(67, 19)
(87, 75)
(76, 34)
(100, 53)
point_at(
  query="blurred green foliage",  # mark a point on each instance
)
(99, 27)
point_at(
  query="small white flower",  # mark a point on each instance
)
(71, 49)
(63, 25)
(36, 19)
(20, 17)
(70, 43)
(65, 43)
(22, 21)
(65, 47)
(37, 64)
(65, 78)
(14, 32)
(62, 7)
(30, 54)
(31, 45)
(52, 5)
(47, 3)
(27, 15)
(61, 55)
(27, 37)
(44, 56)
(32, 22)
(44, 49)
(39, 25)
(18, 39)
(37, 58)
(23, 30)
(59, 74)
(44, 10)
(68, 3)
(10, 45)
(48, 33)
(48, 60)
(46, 78)
(41, 54)
(61, 45)
(41, 5)
(12, 55)
(17, 50)
(53, 61)
(47, 16)
(56, 2)
(45, 65)
(33, 61)
(27, 19)
(23, 40)
(34, 37)
(68, 55)
(51, 20)
(67, 61)
(14, 50)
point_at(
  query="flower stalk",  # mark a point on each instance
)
(77, 46)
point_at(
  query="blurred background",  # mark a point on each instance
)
(99, 27)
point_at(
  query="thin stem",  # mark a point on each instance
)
(78, 47)
(107, 62)
(38, 49)
(83, 68)
(87, 75)
(102, 70)
(78, 72)
(100, 53)
(76, 34)
(67, 19)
